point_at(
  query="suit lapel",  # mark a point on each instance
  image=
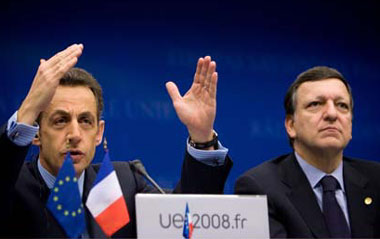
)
(303, 197)
(362, 216)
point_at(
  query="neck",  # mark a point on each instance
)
(326, 160)
(56, 171)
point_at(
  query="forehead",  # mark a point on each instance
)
(73, 99)
(328, 88)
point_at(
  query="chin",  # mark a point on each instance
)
(332, 146)
(330, 143)
(78, 169)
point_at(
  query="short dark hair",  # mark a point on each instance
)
(80, 77)
(316, 73)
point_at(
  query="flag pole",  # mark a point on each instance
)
(105, 144)
(105, 148)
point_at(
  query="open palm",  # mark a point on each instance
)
(197, 108)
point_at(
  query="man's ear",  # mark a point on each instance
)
(99, 134)
(36, 141)
(289, 126)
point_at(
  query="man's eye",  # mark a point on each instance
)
(60, 121)
(313, 104)
(343, 106)
(86, 121)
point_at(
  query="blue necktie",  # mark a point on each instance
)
(333, 214)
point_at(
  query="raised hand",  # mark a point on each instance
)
(197, 108)
(46, 82)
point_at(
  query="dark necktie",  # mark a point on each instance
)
(333, 214)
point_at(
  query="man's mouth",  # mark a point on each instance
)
(331, 130)
(75, 155)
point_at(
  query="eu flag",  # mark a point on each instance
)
(65, 201)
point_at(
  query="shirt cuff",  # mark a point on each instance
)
(19, 133)
(209, 157)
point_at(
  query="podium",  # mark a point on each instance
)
(212, 216)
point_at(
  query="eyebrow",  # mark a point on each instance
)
(320, 97)
(87, 114)
(59, 112)
(66, 114)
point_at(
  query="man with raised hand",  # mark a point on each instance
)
(61, 114)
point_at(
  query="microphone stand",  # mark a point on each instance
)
(139, 167)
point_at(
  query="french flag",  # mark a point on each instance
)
(106, 201)
(187, 224)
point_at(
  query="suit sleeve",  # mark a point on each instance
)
(12, 160)
(247, 184)
(197, 177)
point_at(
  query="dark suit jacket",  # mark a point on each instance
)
(292, 205)
(24, 192)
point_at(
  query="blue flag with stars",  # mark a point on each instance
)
(65, 201)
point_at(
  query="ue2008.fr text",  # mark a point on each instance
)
(204, 221)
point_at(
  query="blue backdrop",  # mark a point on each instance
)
(134, 47)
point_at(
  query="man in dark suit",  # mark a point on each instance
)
(61, 114)
(316, 192)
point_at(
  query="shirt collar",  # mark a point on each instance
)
(314, 175)
(50, 179)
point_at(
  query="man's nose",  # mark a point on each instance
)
(330, 113)
(74, 135)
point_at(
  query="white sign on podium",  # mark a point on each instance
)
(213, 216)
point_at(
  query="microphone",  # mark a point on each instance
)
(137, 166)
